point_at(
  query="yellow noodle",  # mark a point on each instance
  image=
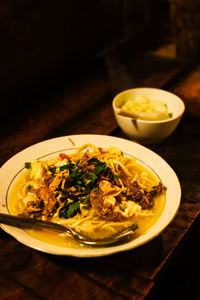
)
(87, 221)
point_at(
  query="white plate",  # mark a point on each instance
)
(12, 168)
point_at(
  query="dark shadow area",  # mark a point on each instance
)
(45, 45)
(181, 279)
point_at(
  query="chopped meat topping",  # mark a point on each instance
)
(104, 202)
(105, 207)
(45, 204)
(143, 197)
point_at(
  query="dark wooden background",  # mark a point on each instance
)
(42, 42)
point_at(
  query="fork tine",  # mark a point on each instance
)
(113, 239)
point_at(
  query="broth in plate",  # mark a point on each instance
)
(106, 177)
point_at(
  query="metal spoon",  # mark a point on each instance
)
(22, 222)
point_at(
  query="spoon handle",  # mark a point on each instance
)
(148, 116)
(23, 222)
(127, 114)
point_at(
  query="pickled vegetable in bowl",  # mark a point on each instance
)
(143, 108)
(147, 115)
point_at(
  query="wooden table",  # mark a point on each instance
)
(164, 268)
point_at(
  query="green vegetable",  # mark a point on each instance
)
(29, 187)
(92, 177)
(27, 165)
(100, 168)
(86, 199)
(69, 210)
(77, 162)
(70, 166)
(83, 179)
(115, 176)
(52, 170)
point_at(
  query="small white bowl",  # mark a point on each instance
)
(149, 132)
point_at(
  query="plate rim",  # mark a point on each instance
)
(18, 234)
